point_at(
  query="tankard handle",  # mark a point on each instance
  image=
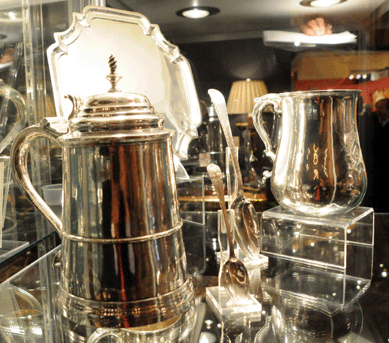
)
(260, 105)
(11, 94)
(19, 153)
(101, 333)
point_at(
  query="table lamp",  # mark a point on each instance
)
(242, 95)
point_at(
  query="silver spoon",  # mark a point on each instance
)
(234, 275)
(247, 223)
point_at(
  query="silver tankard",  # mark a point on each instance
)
(123, 263)
(318, 167)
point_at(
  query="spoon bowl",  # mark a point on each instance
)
(246, 220)
(234, 276)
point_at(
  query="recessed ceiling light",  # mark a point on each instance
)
(320, 3)
(197, 12)
(12, 15)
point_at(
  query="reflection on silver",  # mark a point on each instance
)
(298, 319)
(318, 168)
(174, 330)
(123, 261)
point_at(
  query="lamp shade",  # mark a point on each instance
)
(242, 95)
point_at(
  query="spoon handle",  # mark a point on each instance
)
(221, 111)
(216, 176)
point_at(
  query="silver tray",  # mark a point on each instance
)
(148, 63)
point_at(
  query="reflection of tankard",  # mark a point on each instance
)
(318, 168)
(297, 319)
(123, 257)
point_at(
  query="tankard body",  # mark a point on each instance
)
(121, 226)
(318, 165)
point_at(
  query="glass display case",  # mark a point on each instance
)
(340, 274)
(26, 30)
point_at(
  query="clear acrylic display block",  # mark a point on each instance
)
(223, 307)
(327, 290)
(190, 193)
(260, 263)
(330, 258)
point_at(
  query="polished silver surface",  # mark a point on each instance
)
(234, 276)
(247, 223)
(174, 330)
(318, 167)
(153, 66)
(121, 230)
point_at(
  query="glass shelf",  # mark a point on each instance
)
(38, 280)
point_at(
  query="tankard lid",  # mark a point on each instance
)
(114, 110)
